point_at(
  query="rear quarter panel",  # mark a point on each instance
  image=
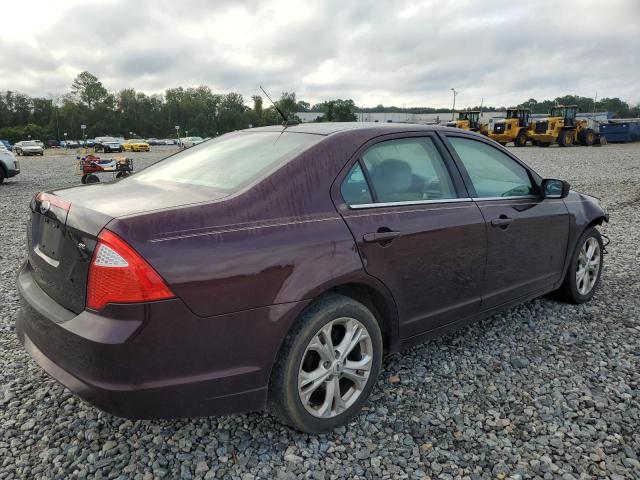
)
(279, 241)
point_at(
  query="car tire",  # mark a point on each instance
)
(1, 175)
(577, 288)
(312, 345)
(91, 178)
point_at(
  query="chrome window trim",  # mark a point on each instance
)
(436, 201)
(409, 202)
(513, 197)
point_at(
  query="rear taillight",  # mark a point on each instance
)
(118, 274)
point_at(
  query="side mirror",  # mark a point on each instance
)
(553, 188)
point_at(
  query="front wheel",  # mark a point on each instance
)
(520, 140)
(566, 138)
(585, 269)
(328, 365)
(587, 137)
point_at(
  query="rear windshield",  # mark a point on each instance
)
(231, 161)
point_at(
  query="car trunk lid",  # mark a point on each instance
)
(61, 237)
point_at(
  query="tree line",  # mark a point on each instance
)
(198, 111)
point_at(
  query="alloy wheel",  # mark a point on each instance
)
(335, 367)
(588, 266)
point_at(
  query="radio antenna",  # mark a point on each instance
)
(284, 117)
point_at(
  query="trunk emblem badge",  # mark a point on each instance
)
(45, 206)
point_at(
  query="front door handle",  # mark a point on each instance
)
(380, 237)
(502, 221)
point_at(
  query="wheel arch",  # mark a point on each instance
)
(381, 305)
(375, 297)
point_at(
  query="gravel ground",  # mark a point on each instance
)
(545, 390)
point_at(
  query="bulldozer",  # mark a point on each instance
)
(469, 120)
(514, 128)
(563, 128)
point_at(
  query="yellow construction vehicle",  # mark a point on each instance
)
(514, 128)
(469, 120)
(563, 128)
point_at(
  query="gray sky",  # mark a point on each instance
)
(390, 52)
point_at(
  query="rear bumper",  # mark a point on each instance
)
(154, 360)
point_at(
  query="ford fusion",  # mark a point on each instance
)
(273, 268)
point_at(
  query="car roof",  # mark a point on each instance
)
(329, 128)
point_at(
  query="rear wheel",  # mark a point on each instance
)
(566, 138)
(520, 140)
(585, 269)
(328, 365)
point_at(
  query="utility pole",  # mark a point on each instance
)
(455, 93)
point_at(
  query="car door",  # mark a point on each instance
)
(416, 229)
(526, 234)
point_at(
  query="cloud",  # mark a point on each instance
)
(401, 52)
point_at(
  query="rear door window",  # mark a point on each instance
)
(355, 189)
(406, 170)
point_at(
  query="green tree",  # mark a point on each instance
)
(340, 111)
(88, 89)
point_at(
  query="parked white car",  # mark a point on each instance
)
(28, 147)
(188, 142)
(9, 166)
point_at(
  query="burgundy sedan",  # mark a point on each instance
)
(273, 267)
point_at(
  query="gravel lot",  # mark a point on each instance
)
(545, 390)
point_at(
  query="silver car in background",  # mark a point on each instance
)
(28, 147)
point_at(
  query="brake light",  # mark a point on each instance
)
(118, 274)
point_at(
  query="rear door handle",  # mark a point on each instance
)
(503, 221)
(380, 236)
